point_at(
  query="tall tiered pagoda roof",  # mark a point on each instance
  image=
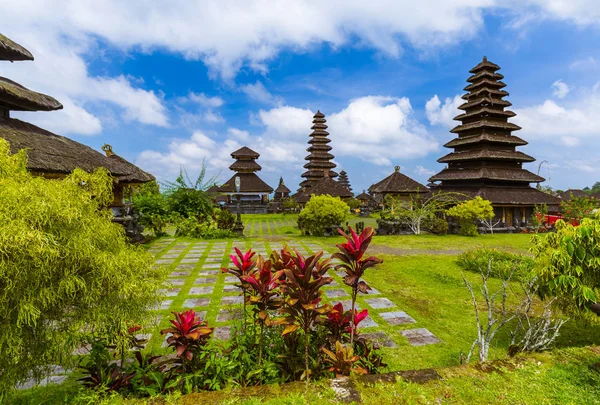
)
(282, 188)
(344, 181)
(319, 158)
(245, 166)
(49, 154)
(325, 186)
(484, 160)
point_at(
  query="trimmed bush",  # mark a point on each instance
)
(322, 213)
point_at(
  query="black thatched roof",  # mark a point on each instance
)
(485, 137)
(10, 50)
(132, 173)
(245, 152)
(54, 154)
(13, 96)
(573, 193)
(490, 173)
(245, 165)
(282, 188)
(509, 195)
(250, 183)
(325, 186)
(398, 183)
(364, 196)
(486, 154)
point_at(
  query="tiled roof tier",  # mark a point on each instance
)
(281, 188)
(488, 173)
(484, 101)
(245, 152)
(484, 112)
(485, 137)
(15, 97)
(245, 165)
(485, 65)
(486, 154)
(484, 74)
(483, 92)
(319, 158)
(326, 185)
(319, 155)
(483, 124)
(344, 181)
(485, 83)
(319, 165)
(11, 51)
(398, 183)
(526, 196)
(249, 183)
(365, 197)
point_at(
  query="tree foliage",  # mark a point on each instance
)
(467, 212)
(66, 271)
(568, 264)
(321, 213)
(577, 208)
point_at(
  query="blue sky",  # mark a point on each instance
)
(173, 84)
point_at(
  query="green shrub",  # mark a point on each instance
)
(503, 263)
(467, 212)
(154, 211)
(194, 228)
(224, 219)
(322, 212)
(189, 202)
(66, 271)
(353, 203)
(435, 225)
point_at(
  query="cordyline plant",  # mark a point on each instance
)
(339, 322)
(244, 265)
(343, 360)
(351, 254)
(262, 286)
(188, 335)
(302, 289)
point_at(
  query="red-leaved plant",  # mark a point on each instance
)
(339, 322)
(351, 254)
(302, 289)
(262, 286)
(244, 265)
(188, 335)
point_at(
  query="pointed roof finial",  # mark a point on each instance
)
(397, 169)
(107, 150)
(484, 58)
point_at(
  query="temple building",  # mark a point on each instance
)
(51, 155)
(326, 185)
(281, 192)
(253, 193)
(344, 181)
(319, 158)
(397, 185)
(484, 161)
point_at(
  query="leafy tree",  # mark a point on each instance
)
(568, 264)
(578, 208)
(322, 212)
(67, 273)
(289, 205)
(189, 198)
(467, 212)
(153, 207)
(354, 204)
(418, 210)
(596, 186)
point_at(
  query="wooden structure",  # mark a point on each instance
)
(344, 181)
(484, 161)
(366, 200)
(253, 191)
(319, 158)
(51, 155)
(326, 185)
(281, 192)
(397, 185)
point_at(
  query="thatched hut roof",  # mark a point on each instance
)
(245, 165)
(15, 97)
(249, 183)
(132, 173)
(245, 152)
(364, 196)
(10, 50)
(573, 193)
(398, 183)
(526, 196)
(326, 185)
(282, 188)
(49, 153)
(489, 173)
(486, 154)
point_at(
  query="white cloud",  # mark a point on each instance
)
(258, 92)
(584, 63)
(560, 89)
(443, 114)
(203, 100)
(238, 134)
(422, 171)
(212, 117)
(287, 121)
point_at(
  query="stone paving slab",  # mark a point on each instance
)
(201, 290)
(372, 291)
(207, 272)
(171, 292)
(231, 279)
(175, 282)
(179, 274)
(380, 338)
(188, 261)
(164, 261)
(347, 304)
(205, 280)
(420, 337)
(367, 323)
(211, 265)
(170, 256)
(185, 266)
(229, 288)
(196, 302)
(193, 256)
(336, 293)
(226, 315)
(166, 304)
(380, 303)
(222, 332)
(397, 317)
(230, 300)
(213, 260)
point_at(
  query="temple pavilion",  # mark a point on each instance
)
(281, 192)
(326, 185)
(51, 155)
(253, 191)
(484, 161)
(397, 185)
(319, 158)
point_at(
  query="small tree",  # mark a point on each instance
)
(567, 265)
(467, 212)
(577, 208)
(67, 273)
(322, 212)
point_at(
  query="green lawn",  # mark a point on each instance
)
(420, 276)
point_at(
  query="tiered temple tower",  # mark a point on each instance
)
(253, 191)
(485, 161)
(319, 159)
(343, 180)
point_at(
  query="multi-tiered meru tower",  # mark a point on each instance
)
(319, 158)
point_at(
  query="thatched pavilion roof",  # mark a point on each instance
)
(49, 153)
(282, 188)
(245, 153)
(132, 173)
(10, 50)
(326, 185)
(526, 196)
(398, 183)
(15, 97)
(249, 183)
